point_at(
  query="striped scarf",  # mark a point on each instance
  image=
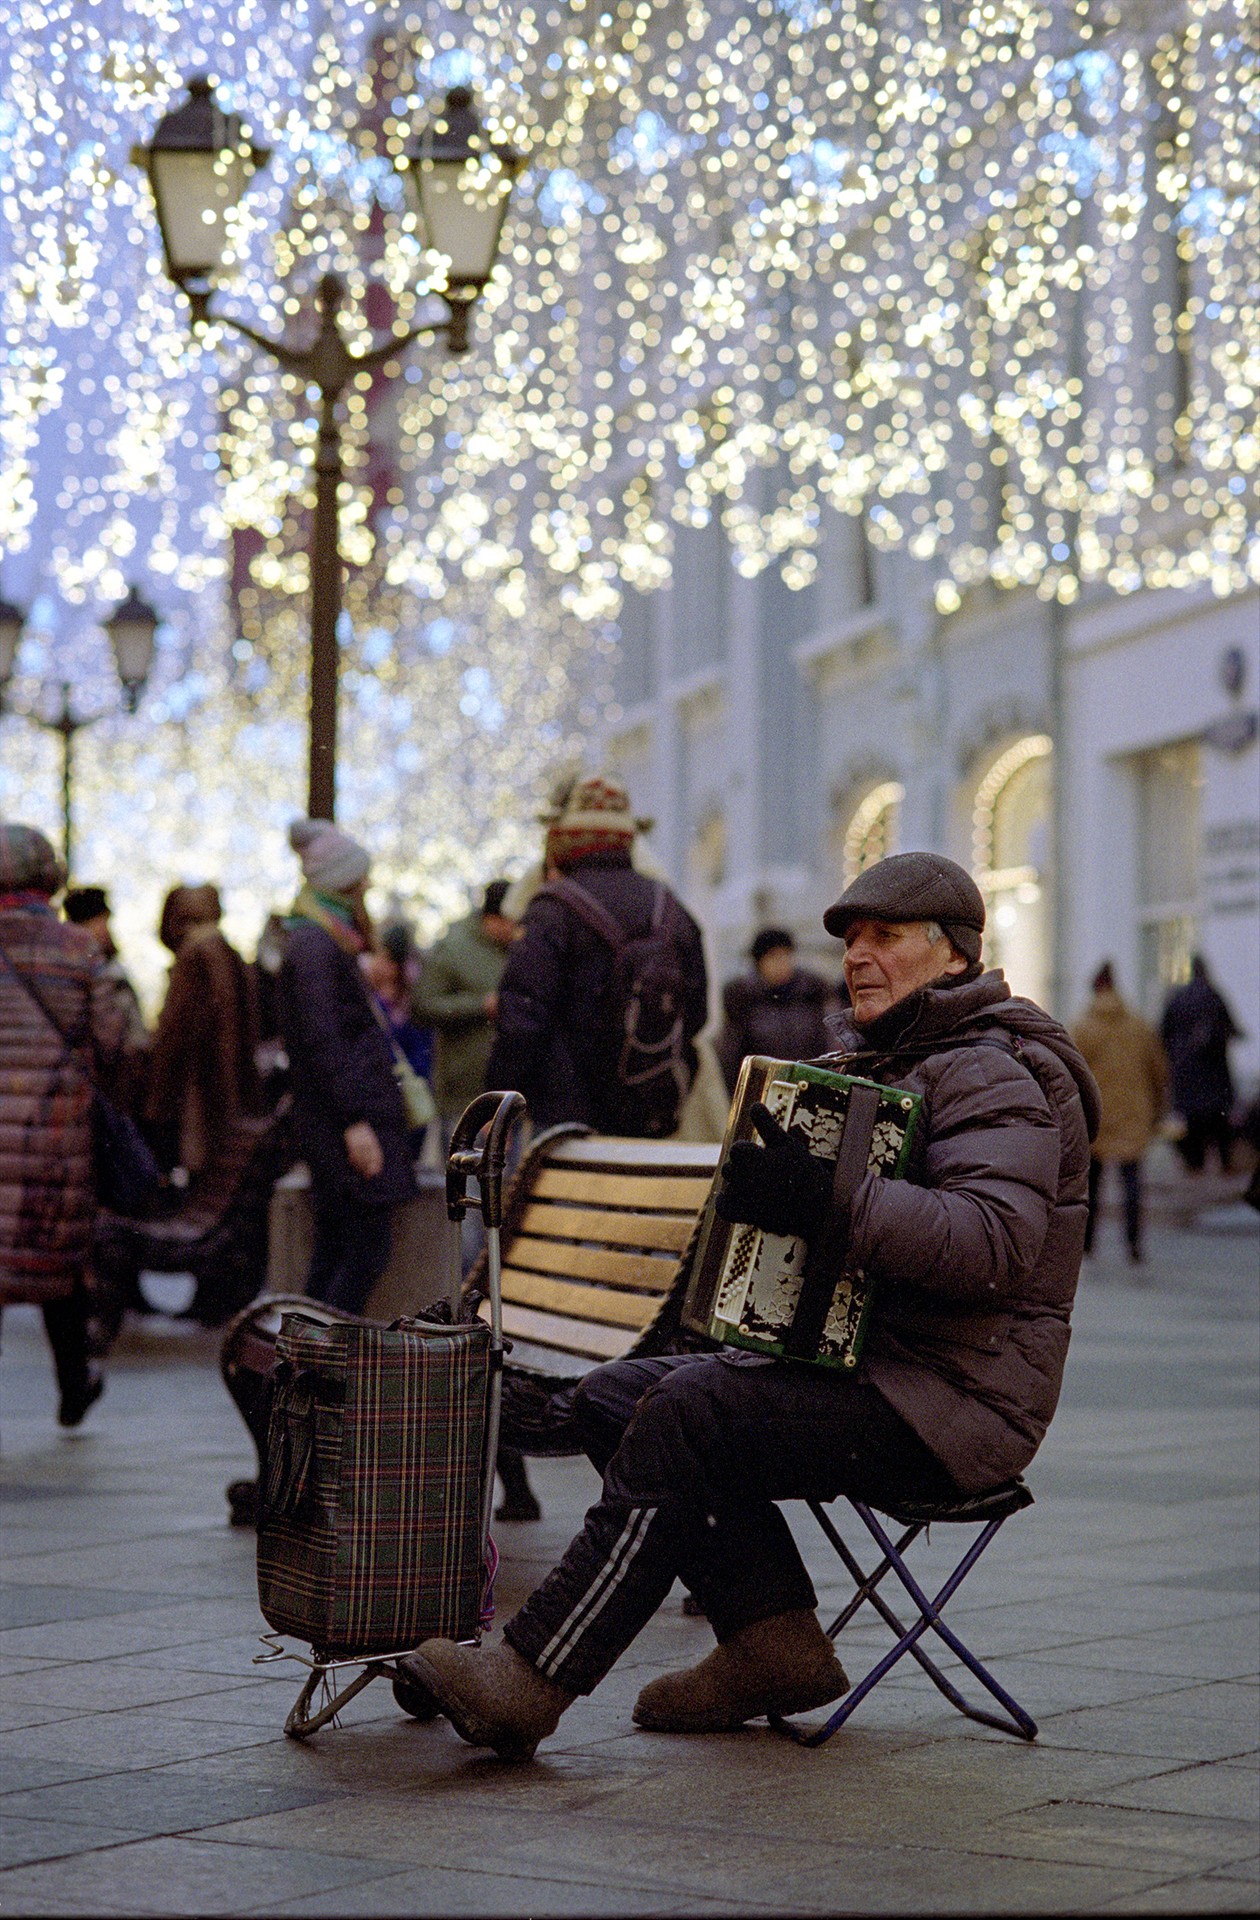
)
(331, 912)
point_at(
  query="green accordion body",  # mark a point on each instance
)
(746, 1284)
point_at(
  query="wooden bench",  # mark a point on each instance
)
(594, 1230)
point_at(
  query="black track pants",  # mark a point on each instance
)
(695, 1450)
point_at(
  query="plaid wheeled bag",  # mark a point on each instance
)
(369, 1534)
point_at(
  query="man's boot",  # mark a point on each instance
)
(491, 1696)
(785, 1664)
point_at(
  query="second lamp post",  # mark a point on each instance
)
(199, 163)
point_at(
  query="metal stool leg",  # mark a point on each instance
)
(1016, 1721)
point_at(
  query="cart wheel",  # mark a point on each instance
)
(415, 1699)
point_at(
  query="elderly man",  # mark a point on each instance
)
(976, 1257)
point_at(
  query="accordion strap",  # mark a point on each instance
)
(825, 1261)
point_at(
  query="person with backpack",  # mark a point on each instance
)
(605, 991)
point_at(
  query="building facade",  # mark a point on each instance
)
(783, 740)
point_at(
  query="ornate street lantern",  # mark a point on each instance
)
(12, 621)
(199, 163)
(460, 184)
(131, 628)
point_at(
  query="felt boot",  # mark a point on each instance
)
(491, 1696)
(785, 1664)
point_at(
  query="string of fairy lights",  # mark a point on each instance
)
(979, 271)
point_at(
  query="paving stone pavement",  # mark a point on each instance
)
(143, 1769)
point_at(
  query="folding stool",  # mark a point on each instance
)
(990, 1511)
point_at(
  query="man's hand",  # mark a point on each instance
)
(363, 1149)
(490, 1006)
(780, 1187)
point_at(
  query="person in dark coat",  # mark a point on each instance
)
(1196, 1030)
(777, 1008)
(202, 1079)
(550, 1043)
(47, 1194)
(348, 1114)
(976, 1257)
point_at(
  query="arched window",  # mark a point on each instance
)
(1010, 824)
(873, 827)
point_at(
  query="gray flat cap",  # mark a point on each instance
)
(914, 886)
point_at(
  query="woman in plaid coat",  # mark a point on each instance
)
(47, 1202)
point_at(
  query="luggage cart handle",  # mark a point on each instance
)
(498, 1112)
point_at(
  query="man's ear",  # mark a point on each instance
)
(957, 962)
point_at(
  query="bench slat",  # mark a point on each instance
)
(632, 1270)
(618, 1154)
(607, 1228)
(567, 1336)
(605, 1304)
(646, 1191)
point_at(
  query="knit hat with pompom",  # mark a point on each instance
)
(331, 860)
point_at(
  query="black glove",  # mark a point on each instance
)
(780, 1187)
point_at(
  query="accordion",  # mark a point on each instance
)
(760, 1290)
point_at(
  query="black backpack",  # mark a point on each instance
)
(642, 1016)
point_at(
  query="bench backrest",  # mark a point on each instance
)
(592, 1240)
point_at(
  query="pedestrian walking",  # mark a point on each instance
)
(605, 991)
(62, 1030)
(1197, 1028)
(457, 995)
(89, 908)
(776, 1008)
(202, 1073)
(349, 1117)
(1126, 1058)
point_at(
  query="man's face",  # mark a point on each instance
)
(98, 927)
(499, 929)
(887, 960)
(777, 967)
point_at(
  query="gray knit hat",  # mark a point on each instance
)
(914, 886)
(27, 861)
(331, 860)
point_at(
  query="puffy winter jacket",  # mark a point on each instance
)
(47, 1199)
(341, 1069)
(787, 1022)
(976, 1254)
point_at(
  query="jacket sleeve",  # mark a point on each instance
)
(442, 1000)
(974, 1228)
(113, 1044)
(314, 1025)
(169, 1062)
(531, 994)
(696, 1012)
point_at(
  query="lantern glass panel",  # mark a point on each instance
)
(12, 621)
(195, 194)
(461, 206)
(132, 641)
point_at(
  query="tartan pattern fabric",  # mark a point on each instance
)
(369, 1532)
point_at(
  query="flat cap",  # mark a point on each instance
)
(914, 886)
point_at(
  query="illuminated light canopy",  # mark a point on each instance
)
(977, 276)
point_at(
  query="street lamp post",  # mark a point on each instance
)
(199, 163)
(131, 629)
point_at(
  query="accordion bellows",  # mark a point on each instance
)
(369, 1530)
(746, 1285)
